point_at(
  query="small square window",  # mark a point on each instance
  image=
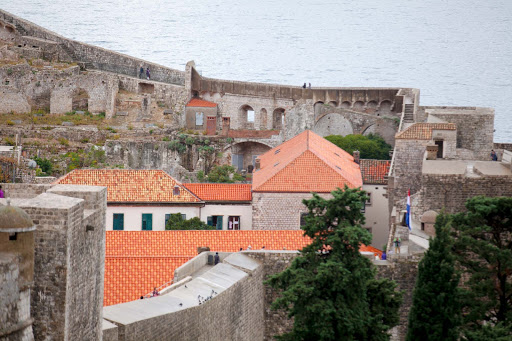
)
(250, 116)
(176, 190)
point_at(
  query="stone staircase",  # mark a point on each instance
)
(409, 113)
(69, 52)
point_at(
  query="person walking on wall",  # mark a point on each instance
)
(397, 243)
(148, 75)
(141, 72)
(309, 86)
(494, 156)
(1, 193)
(216, 258)
(304, 86)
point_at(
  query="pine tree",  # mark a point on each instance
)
(330, 289)
(436, 309)
(483, 250)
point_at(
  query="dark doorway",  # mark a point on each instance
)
(439, 144)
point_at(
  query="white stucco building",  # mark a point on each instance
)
(138, 199)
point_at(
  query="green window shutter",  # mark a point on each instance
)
(118, 221)
(209, 221)
(219, 222)
(167, 216)
(147, 221)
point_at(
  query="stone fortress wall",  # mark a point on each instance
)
(67, 296)
(92, 56)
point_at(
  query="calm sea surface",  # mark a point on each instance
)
(458, 52)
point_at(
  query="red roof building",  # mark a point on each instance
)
(136, 262)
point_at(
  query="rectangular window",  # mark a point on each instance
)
(233, 223)
(147, 221)
(118, 221)
(303, 216)
(250, 116)
(215, 220)
(199, 118)
(369, 201)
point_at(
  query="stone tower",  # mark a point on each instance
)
(16, 273)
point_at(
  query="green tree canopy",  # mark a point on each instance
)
(224, 173)
(483, 249)
(330, 289)
(436, 309)
(371, 146)
(176, 222)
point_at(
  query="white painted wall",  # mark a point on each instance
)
(377, 215)
(133, 215)
(244, 211)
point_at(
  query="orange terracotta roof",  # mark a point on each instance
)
(138, 261)
(196, 102)
(423, 131)
(374, 171)
(221, 192)
(126, 185)
(306, 163)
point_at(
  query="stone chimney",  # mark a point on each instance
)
(356, 156)
(432, 151)
(257, 164)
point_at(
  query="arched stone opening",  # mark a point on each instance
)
(333, 124)
(359, 106)
(385, 107)
(317, 107)
(244, 154)
(278, 119)
(246, 117)
(263, 119)
(346, 104)
(80, 100)
(333, 104)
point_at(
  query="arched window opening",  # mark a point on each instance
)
(317, 107)
(278, 119)
(246, 117)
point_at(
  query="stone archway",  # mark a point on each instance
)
(333, 124)
(278, 119)
(317, 108)
(244, 154)
(246, 117)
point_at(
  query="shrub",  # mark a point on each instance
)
(371, 146)
(176, 222)
(45, 165)
(63, 141)
(190, 140)
(166, 139)
(85, 140)
(10, 123)
(177, 146)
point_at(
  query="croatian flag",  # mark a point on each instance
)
(408, 215)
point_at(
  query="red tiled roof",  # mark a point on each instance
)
(374, 171)
(126, 185)
(423, 131)
(196, 102)
(221, 192)
(306, 163)
(138, 261)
